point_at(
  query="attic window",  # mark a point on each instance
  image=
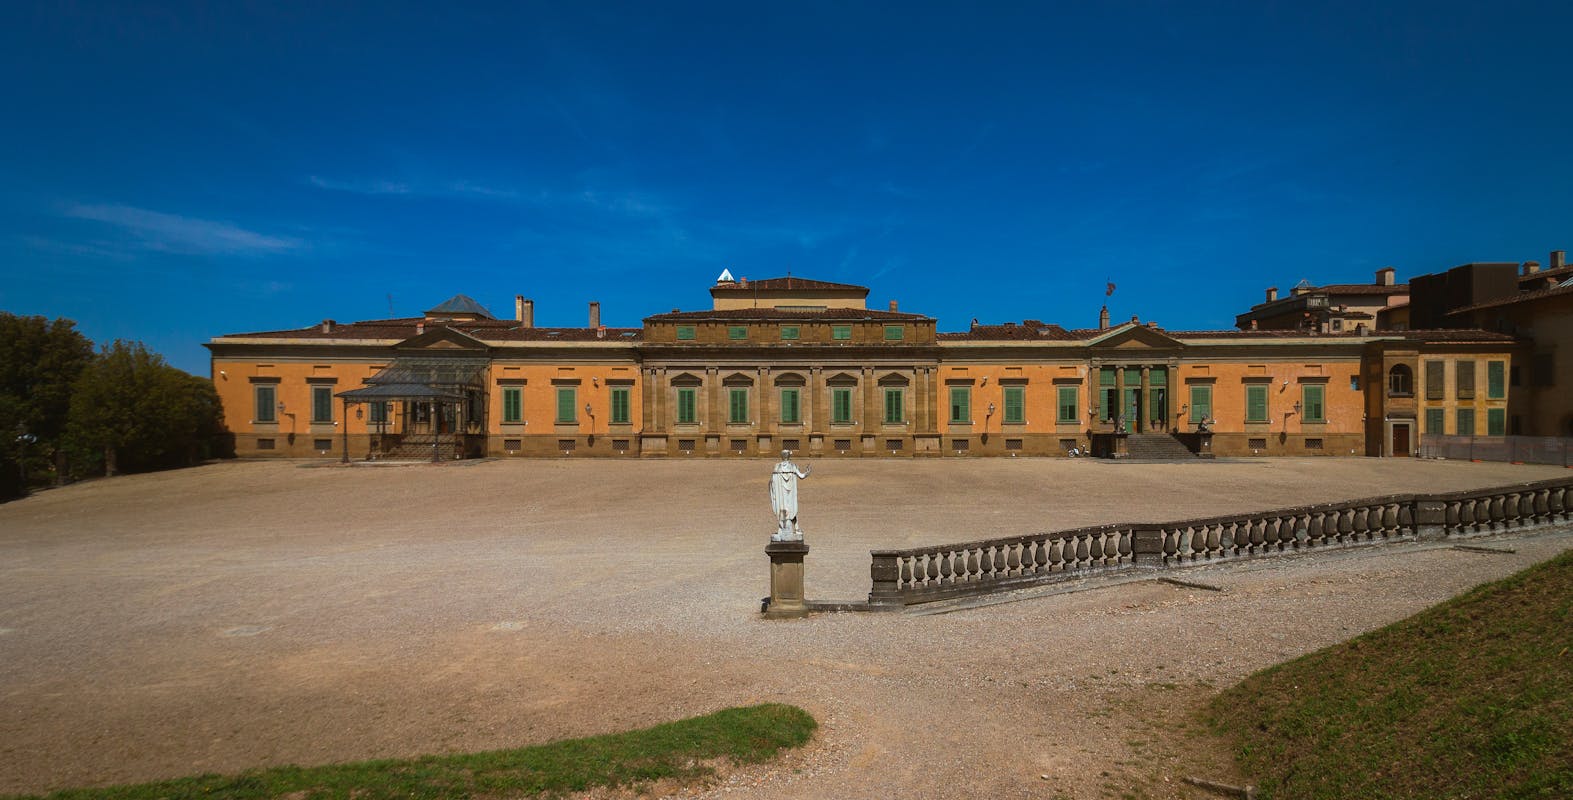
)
(554, 333)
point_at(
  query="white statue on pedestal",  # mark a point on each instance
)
(783, 498)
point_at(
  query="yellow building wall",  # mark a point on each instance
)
(1451, 403)
(540, 431)
(294, 433)
(1286, 430)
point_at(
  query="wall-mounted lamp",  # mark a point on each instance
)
(1297, 406)
(991, 409)
(985, 381)
(223, 374)
(595, 381)
(587, 410)
(281, 407)
(359, 413)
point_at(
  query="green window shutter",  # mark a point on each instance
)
(960, 404)
(1015, 404)
(686, 333)
(1106, 376)
(1466, 422)
(841, 332)
(1496, 421)
(894, 333)
(737, 332)
(267, 404)
(895, 412)
(566, 399)
(1201, 403)
(1465, 379)
(1496, 383)
(685, 406)
(789, 332)
(1255, 403)
(512, 404)
(1067, 405)
(378, 411)
(321, 404)
(1436, 418)
(1435, 378)
(739, 406)
(841, 405)
(790, 410)
(1158, 376)
(620, 405)
(1313, 403)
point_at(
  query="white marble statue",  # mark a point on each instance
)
(783, 498)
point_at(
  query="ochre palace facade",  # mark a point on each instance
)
(804, 365)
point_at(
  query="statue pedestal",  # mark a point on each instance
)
(786, 580)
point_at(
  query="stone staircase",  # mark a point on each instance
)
(417, 447)
(1156, 447)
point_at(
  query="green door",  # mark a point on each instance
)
(1132, 412)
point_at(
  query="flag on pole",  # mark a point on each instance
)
(1109, 292)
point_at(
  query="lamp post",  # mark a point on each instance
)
(23, 439)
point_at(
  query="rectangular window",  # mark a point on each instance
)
(687, 400)
(961, 404)
(379, 412)
(1435, 419)
(322, 404)
(265, 444)
(841, 406)
(1013, 444)
(1068, 413)
(737, 445)
(1496, 383)
(894, 333)
(1257, 444)
(736, 332)
(791, 411)
(1541, 371)
(1016, 404)
(895, 408)
(1465, 378)
(512, 404)
(567, 398)
(1435, 379)
(1201, 403)
(686, 333)
(737, 407)
(1256, 402)
(1515, 375)
(513, 445)
(1313, 444)
(267, 403)
(620, 405)
(841, 333)
(789, 332)
(322, 445)
(1466, 422)
(1313, 405)
(1496, 421)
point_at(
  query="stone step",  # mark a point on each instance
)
(1156, 447)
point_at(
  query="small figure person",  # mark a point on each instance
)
(783, 497)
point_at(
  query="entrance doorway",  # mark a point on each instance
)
(1401, 439)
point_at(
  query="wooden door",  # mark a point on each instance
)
(1401, 439)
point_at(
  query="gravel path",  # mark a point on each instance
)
(248, 614)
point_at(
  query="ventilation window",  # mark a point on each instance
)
(893, 444)
(1258, 444)
(322, 444)
(960, 445)
(620, 444)
(1067, 445)
(567, 445)
(1012, 444)
(264, 444)
(739, 445)
(843, 445)
(791, 444)
(512, 445)
(1313, 444)
(685, 445)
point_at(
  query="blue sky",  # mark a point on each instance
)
(172, 173)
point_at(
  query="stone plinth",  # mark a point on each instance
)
(786, 580)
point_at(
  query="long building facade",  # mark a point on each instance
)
(791, 363)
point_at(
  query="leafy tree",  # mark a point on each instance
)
(40, 361)
(138, 413)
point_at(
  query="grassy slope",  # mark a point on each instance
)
(1471, 698)
(673, 750)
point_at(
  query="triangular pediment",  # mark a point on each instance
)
(1132, 336)
(441, 339)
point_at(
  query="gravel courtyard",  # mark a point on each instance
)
(261, 613)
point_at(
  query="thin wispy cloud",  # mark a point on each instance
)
(175, 233)
(360, 187)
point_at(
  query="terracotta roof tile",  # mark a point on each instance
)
(850, 314)
(789, 282)
(1521, 297)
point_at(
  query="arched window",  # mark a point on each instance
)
(1400, 381)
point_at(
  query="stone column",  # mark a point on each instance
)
(1430, 519)
(786, 580)
(885, 574)
(1143, 409)
(1119, 398)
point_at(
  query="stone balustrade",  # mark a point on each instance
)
(925, 574)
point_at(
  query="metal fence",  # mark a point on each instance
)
(1515, 449)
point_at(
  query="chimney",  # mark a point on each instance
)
(595, 314)
(1531, 267)
(1253, 324)
(327, 326)
(1103, 318)
(1385, 276)
(420, 328)
(1272, 293)
(1558, 259)
(892, 305)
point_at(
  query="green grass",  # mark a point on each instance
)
(1470, 699)
(675, 750)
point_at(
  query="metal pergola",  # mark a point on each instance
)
(438, 381)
